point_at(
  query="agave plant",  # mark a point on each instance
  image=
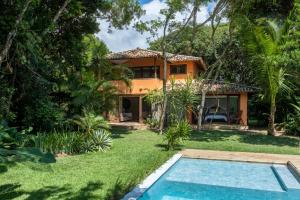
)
(99, 141)
(90, 122)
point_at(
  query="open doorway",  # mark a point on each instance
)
(129, 109)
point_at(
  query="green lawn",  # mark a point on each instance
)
(134, 155)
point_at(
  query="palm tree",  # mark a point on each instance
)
(90, 122)
(264, 43)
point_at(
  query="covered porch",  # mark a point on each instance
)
(224, 109)
(133, 108)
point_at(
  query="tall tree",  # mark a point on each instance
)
(47, 53)
(265, 46)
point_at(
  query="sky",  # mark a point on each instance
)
(120, 40)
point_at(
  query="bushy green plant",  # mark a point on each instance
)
(11, 139)
(182, 97)
(176, 133)
(43, 114)
(99, 141)
(73, 142)
(64, 142)
(292, 125)
(152, 122)
(14, 148)
(90, 122)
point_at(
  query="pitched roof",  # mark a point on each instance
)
(145, 53)
(220, 87)
(230, 88)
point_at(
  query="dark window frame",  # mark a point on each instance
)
(154, 72)
(178, 69)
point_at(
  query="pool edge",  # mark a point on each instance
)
(151, 179)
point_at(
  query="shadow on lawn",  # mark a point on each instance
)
(119, 132)
(244, 137)
(164, 147)
(12, 191)
(119, 189)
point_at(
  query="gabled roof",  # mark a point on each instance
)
(227, 88)
(145, 53)
(218, 87)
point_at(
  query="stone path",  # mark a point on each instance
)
(294, 160)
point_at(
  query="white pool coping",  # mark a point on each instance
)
(151, 179)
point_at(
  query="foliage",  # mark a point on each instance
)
(152, 122)
(264, 45)
(90, 122)
(59, 142)
(11, 139)
(14, 148)
(72, 142)
(51, 58)
(100, 140)
(154, 96)
(292, 124)
(176, 133)
(44, 115)
(182, 98)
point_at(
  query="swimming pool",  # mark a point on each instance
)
(190, 179)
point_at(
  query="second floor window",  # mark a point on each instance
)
(178, 69)
(146, 72)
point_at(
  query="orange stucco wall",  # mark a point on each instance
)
(143, 85)
(244, 108)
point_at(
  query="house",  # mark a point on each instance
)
(225, 103)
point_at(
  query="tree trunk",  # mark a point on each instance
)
(165, 99)
(200, 114)
(271, 126)
(57, 16)
(11, 35)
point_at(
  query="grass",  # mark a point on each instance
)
(110, 175)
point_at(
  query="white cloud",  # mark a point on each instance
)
(120, 40)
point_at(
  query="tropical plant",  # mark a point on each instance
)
(264, 45)
(59, 142)
(99, 141)
(14, 147)
(72, 142)
(183, 98)
(176, 133)
(90, 122)
(152, 122)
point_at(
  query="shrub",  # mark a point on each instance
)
(65, 142)
(73, 142)
(292, 125)
(90, 122)
(99, 141)
(176, 133)
(152, 122)
(43, 114)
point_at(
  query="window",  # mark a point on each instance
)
(178, 69)
(146, 72)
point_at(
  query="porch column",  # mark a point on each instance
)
(120, 109)
(140, 109)
(244, 108)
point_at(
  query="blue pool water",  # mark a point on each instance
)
(190, 179)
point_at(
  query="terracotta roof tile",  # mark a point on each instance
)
(145, 53)
(220, 87)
